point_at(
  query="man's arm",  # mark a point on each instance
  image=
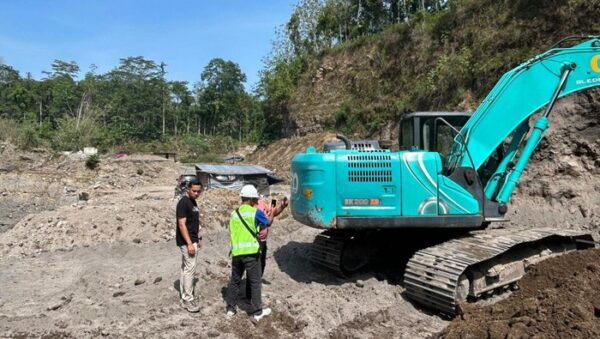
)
(262, 220)
(277, 210)
(186, 236)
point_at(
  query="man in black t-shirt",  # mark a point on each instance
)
(188, 241)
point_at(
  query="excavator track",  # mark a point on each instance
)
(326, 251)
(472, 267)
(340, 252)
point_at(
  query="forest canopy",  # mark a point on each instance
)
(70, 108)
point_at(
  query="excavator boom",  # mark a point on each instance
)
(518, 95)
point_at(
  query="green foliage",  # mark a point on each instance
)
(134, 103)
(9, 130)
(433, 56)
(408, 55)
(92, 162)
(206, 157)
(277, 84)
(74, 135)
(346, 119)
(318, 28)
(28, 137)
(221, 94)
(199, 144)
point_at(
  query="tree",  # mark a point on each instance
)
(181, 99)
(62, 68)
(60, 93)
(9, 82)
(303, 29)
(135, 95)
(221, 91)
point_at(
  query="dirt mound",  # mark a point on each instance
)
(15, 159)
(559, 298)
(278, 155)
(137, 218)
(142, 215)
(123, 200)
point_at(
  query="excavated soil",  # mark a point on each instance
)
(277, 156)
(560, 298)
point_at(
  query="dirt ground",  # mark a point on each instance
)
(559, 298)
(92, 253)
(108, 266)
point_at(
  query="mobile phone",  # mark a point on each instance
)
(273, 202)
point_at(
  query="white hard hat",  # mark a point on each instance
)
(249, 191)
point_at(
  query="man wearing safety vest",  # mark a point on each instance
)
(244, 226)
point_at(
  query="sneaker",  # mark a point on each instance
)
(265, 312)
(191, 306)
(230, 313)
(266, 282)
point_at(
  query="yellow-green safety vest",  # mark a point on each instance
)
(242, 242)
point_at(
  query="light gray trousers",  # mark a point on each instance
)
(188, 270)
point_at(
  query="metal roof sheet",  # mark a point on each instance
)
(232, 169)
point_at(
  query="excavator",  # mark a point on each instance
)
(452, 177)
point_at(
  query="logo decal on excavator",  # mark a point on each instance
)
(595, 63)
(433, 206)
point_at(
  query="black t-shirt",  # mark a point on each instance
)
(188, 208)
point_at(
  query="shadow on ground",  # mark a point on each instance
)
(387, 254)
(293, 260)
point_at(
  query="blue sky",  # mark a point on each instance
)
(185, 35)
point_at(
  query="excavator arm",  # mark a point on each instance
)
(518, 95)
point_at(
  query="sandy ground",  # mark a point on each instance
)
(129, 289)
(107, 266)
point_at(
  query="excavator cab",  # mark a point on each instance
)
(436, 132)
(431, 131)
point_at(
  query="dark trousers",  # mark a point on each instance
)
(263, 263)
(251, 265)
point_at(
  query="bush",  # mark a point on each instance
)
(28, 137)
(196, 143)
(92, 162)
(70, 137)
(9, 130)
(207, 157)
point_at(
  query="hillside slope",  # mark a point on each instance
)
(443, 61)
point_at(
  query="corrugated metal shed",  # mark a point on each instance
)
(234, 177)
(232, 169)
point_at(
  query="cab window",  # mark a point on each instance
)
(445, 138)
(407, 134)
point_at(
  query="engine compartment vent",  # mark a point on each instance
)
(370, 168)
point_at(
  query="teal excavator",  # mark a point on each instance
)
(452, 177)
